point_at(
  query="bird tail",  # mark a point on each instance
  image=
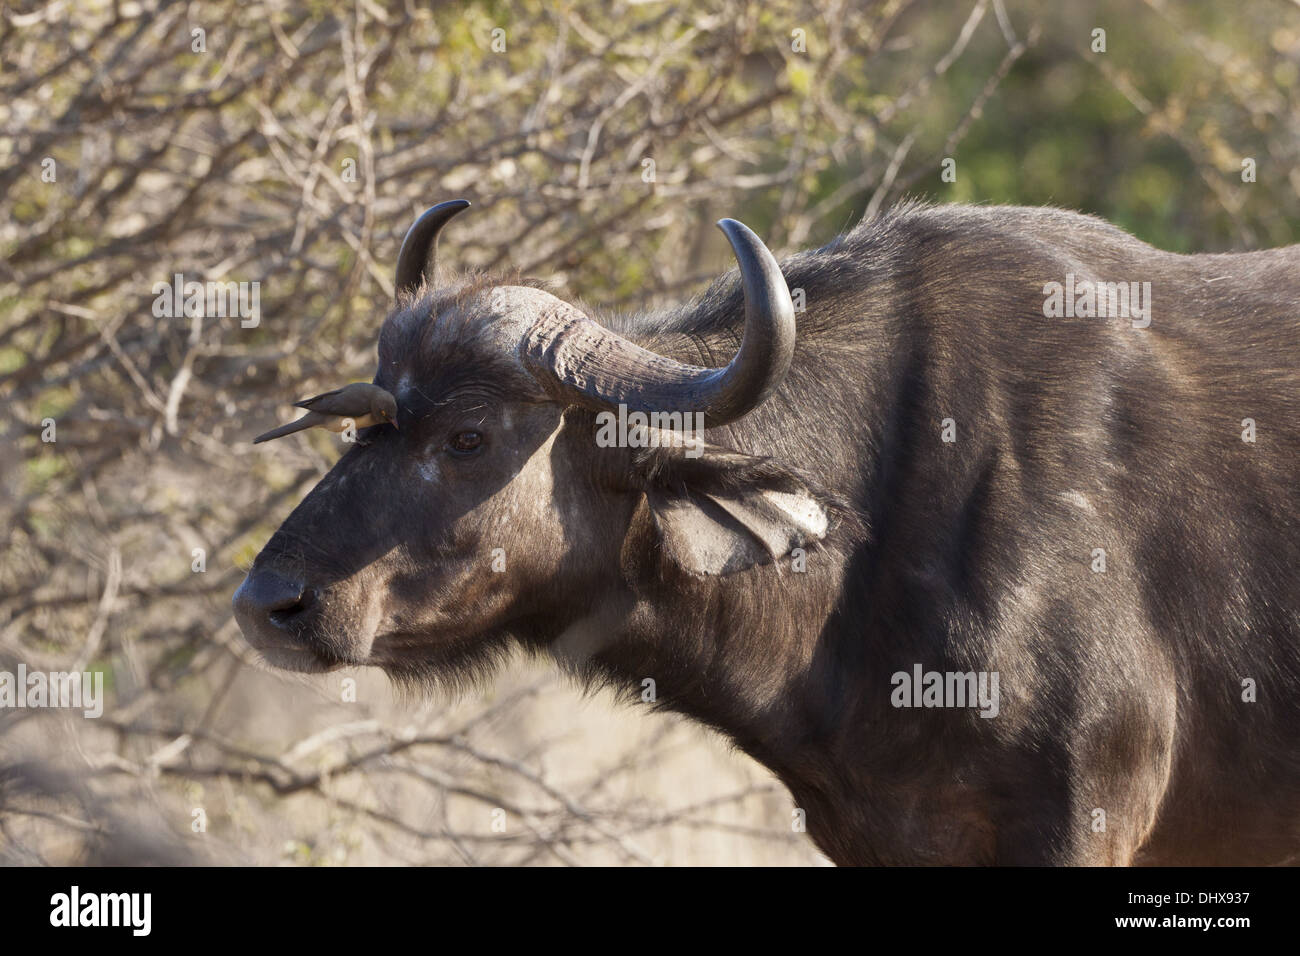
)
(283, 430)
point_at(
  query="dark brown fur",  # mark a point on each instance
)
(1121, 691)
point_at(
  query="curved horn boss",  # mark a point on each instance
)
(585, 363)
(588, 364)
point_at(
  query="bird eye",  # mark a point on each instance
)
(465, 443)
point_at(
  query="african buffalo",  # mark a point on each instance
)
(996, 561)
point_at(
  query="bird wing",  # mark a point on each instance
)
(350, 401)
(311, 402)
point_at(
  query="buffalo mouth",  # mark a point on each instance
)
(300, 660)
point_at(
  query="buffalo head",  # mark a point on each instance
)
(495, 511)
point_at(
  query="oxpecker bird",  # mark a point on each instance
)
(360, 404)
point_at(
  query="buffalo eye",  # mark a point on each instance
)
(465, 443)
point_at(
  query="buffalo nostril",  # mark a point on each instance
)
(291, 608)
(285, 601)
(266, 596)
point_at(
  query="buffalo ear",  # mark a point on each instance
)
(725, 511)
